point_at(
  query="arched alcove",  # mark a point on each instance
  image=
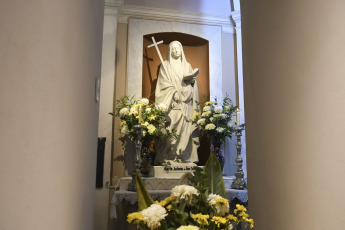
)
(196, 52)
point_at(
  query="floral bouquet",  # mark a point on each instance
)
(201, 206)
(133, 112)
(216, 120)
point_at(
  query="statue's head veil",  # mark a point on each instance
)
(169, 57)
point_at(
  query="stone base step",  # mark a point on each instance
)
(155, 183)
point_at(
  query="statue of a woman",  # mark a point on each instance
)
(178, 89)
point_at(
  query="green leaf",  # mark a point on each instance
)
(144, 198)
(212, 177)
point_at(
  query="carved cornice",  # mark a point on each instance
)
(112, 7)
(131, 11)
(236, 16)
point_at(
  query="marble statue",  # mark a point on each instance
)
(178, 88)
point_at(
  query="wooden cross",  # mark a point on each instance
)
(155, 44)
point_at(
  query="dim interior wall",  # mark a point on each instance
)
(50, 57)
(294, 99)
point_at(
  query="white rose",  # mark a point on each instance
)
(124, 129)
(201, 121)
(220, 130)
(218, 109)
(123, 112)
(133, 110)
(151, 128)
(144, 101)
(206, 114)
(153, 215)
(207, 108)
(210, 127)
(162, 107)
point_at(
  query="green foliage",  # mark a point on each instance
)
(210, 178)
(144, 198)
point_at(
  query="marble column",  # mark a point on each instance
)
(293, 59)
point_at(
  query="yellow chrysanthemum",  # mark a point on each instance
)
(195, 116)
(222, 201)
(135, 216)
(240, 207)
(219, 115)
(231, 218)
(200, 218)
(122, 123)
(250, 222)
(137, 106)
(152, 117)
(219, 220)
(169, 207)
(209, 103)
(167, 200)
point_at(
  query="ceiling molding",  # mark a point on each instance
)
(132, 11)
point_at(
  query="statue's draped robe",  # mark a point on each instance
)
(179, 114)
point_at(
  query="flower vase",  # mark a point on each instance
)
(145, 157)
(218, 153)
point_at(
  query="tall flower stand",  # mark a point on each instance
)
(138, 144)
(238, 183)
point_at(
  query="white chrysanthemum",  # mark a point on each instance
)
(212, 199)
(207, 108)
(123, 112)
(219, 203)
(201, 121)
(151, 128)
(184, 192)
(124, 129)
(218, 109)
(148, 110)
(231, 227)
(189, 227)
(162, 107)
(206, 114)
(144, 101)
(153, 215)
(134, 111)
(210, 127)
(220, 130)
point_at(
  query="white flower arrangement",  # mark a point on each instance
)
(215, 120)
(191, 207)
(152, 116)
